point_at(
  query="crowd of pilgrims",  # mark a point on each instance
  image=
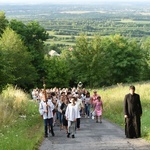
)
(66, 107)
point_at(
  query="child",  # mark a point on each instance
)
(87, 105)
(46, 110)
(98, 109)
(71, 116)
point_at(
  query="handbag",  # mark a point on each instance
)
(93, 114)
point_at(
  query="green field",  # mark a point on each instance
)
(65, 43)
(134, 21)
(65, 40)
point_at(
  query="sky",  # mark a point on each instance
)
(64, 1)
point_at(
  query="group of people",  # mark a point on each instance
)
(68, 105)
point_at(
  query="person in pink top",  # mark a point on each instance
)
(94, 97)
(98, 105)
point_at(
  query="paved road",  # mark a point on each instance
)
(94, 136)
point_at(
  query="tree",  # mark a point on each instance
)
(3, 22)
(145, 73)
(89, 61)
(126, 59)
(33, 35)
(57, 72)
(79, 59)
(16, 67)
(101, 61)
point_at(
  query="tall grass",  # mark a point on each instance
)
(13, 103)
(113, 98)
(20, 126)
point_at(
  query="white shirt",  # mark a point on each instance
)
(79, 104)
(87, 100)
(42, 109)
(34, 94)
(59, 105)
(71, 112)
(83, 97)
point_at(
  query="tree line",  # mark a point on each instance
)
(97, 61)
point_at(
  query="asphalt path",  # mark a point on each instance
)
(93, 136)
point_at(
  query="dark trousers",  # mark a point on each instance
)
(133, 127)
(78, 123)
(48, 123)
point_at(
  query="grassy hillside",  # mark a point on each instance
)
(113, 104)
(21, 127)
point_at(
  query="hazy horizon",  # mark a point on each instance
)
(66, 1)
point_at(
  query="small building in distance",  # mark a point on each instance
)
(53, 53)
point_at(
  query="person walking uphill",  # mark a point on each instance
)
(46, 110)
(132, 114)
(63, 109)
(71, 116)
(80, 106)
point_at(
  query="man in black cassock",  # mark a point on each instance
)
(132, 114)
